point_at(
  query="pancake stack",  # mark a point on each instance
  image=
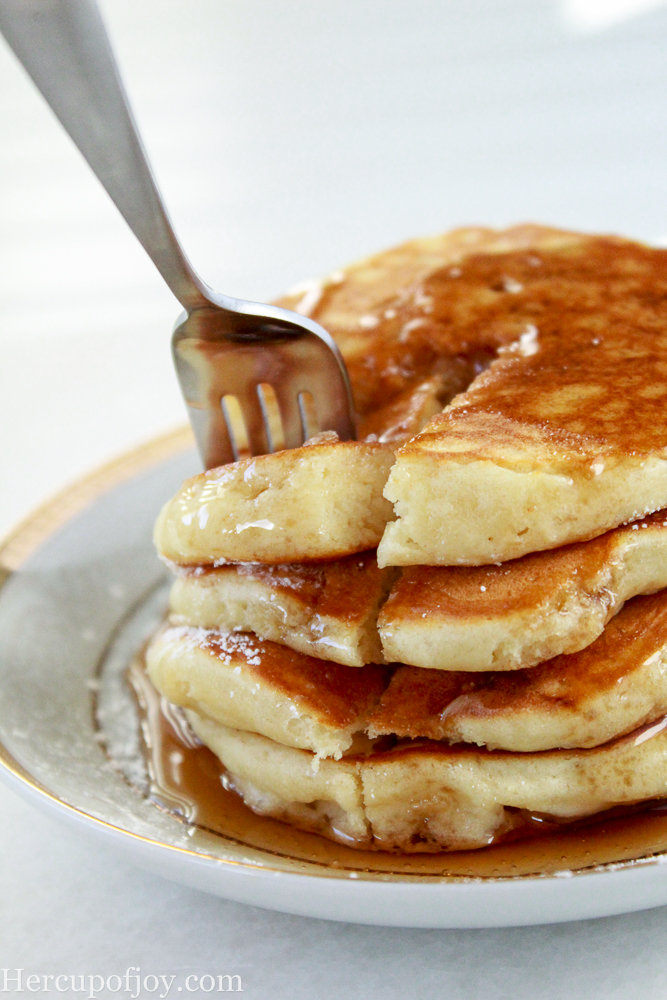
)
(454, 629)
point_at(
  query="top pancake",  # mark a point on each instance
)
(325, 500)
(560, 439)
(564, 435)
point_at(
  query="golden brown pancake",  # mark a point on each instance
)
(281, 781)
(578, 700)
(564, 435)
(325, 500)
(514, 615)
(328, 610)
(352, 304)
(238, 680)
(428, 796)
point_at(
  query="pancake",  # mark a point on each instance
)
(328, 610)
(317, 502)
(238, 680)
(563, 436)
(431, 797)
(324, 500)
(352, 304)
(578, 700)
(452, 618)
(522, 612)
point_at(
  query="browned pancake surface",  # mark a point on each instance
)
(334, 693)
(466, 593)
(516, 614)
(402, 316)
(567, 331)
(338, 587)
(597, 307)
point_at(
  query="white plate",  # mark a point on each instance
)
(77, 572)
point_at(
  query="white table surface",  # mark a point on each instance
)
(290, 138)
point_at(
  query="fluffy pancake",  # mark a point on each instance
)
(578, 700)
(432, 797)
(514, 615)
(557, 347)
(563, 436)
(352, 304)
(238, 680)
(325, 500)
(317, 502)
(328, 610)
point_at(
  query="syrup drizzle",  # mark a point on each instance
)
(188, 780)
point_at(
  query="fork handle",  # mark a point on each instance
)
(64, 46)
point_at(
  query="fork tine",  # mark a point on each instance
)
(236, 426)
(290, 412)
(212, 435)
(288, 387)
(309, 420)
(259, 440)
(273, 423)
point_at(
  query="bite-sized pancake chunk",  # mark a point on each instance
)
(236, 679)
(578, 700)
(563, 436)
(321, 501)
(514, 615)
(428, 796)
(328, 609)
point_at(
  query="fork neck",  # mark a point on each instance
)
(162, 246)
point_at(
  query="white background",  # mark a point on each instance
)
(289, 138)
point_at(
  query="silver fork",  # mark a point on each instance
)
(255, 378)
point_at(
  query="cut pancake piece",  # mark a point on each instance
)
(321, 501)
(430, 797)
(280, 781)
(236, 679)
(514, 615)
(579, 700)
(563, 436)
(328, 609)
(405, 415)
